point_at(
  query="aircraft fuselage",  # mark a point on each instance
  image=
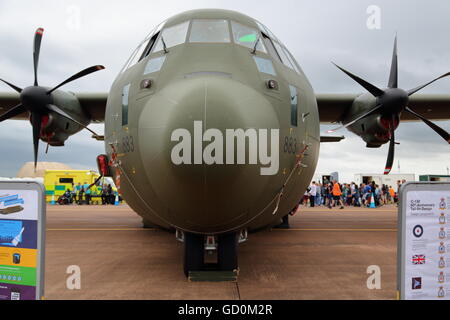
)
(205, 133)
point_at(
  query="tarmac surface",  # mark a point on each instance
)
(325, 255)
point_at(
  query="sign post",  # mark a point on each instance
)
(22, 240)
(424, 241)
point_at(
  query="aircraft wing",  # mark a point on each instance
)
(333, 107)
(94, 104)
(9, 101)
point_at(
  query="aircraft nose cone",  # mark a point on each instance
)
(189, 161)
(394, 100)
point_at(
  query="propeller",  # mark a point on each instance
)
(38, 101)
(390, 158)
(391, 102)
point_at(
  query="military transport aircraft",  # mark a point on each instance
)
(212, 128)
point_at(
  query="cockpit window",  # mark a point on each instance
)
(265, 65)
(271, 47)
(264, 29)
(206, 30)
(283, 56)
(276, 49)
(138, 52)
(292, 60)
(154, 65)
(149, 46)
(172, 36)
(247, 37)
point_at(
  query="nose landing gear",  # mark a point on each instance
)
(195, 246)
(194, 252)
(227, 252)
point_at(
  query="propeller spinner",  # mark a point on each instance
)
(390, 103)
(38, 101)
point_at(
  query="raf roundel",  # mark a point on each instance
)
(418, 231)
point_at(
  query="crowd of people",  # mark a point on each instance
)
(83, 194)
(333, 194)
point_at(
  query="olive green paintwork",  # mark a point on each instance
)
(209, 199)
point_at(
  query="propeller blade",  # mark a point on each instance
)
(412, 91)
(376, 92)
(357, 119)
(19, 90)
(95, 182)
(444, 134)
(390, 159)
(62, 113)
(36, 123)
(393, 78)
(80, 74)
(13, 112)
(36, 51)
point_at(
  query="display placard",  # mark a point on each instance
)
(22, 240)
(423, 242)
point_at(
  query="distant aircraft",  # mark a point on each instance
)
(212, 128)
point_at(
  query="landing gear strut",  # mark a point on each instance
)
(194, 253)
(194, 245)
(227, 252)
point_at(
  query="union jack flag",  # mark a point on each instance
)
(418, 259)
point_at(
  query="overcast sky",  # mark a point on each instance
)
(79, 34)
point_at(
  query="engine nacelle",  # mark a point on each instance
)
(374, 129)
(56, 129)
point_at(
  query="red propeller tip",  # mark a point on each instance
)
(40, 31)
(100, 67)
(387, 170)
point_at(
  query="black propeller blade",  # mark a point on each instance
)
(391, 102)
(390, 158)
(376, 92)
(36, 124)
(36, 52)
(412, 91)
(393, 77)
(62, 113)
(13, 112)
(80, 74)
(368, 113)
(38, 100)
(444, 134)
(19, 90)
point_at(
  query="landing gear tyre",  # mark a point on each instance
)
(194, 246)
(227, 252)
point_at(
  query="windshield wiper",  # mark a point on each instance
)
(256, 44)
(164, 45)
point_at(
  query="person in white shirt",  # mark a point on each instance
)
(312, 194)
